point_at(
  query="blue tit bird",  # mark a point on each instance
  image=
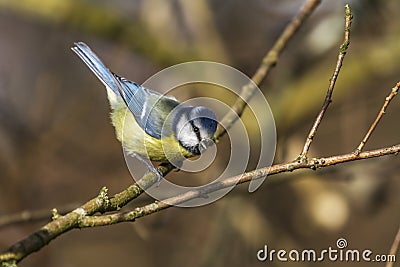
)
(149, 124)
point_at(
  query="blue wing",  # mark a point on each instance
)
(149, 108)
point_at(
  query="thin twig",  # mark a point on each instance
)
(389, 98)
(394, 248)
(32, 215)
(328, 98)
(268, 62)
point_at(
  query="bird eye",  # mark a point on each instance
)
(196, 129)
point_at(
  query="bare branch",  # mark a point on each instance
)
(328, 98)
(394, 248)
(389, 98)
(268, 62)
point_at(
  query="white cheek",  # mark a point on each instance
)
(185, 132)
(187, 136)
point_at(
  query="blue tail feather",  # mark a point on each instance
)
(96, 65)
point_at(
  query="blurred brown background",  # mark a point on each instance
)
(57, 146)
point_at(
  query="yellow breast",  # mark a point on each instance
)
(135, 140)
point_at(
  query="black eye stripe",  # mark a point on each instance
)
(196, 130)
